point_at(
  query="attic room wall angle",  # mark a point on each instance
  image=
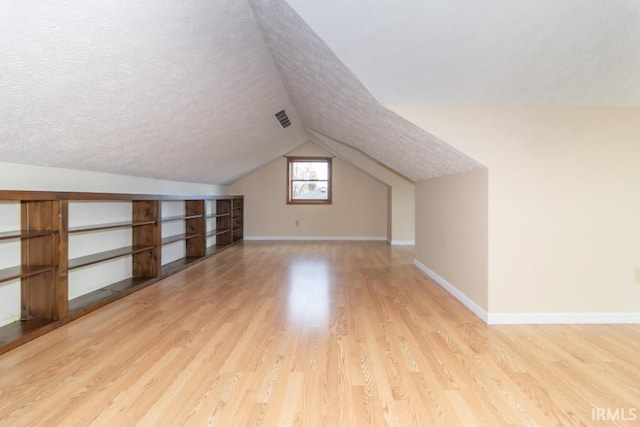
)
(333, 102)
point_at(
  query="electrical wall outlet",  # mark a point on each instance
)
(637, 274)
(298, 225)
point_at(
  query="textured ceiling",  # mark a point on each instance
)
(178, 90)
(543, 52)
(332, 101)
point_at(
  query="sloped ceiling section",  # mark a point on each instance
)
(333, 102)
(542, 52)
(183, 90)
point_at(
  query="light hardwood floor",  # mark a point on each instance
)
(327, 334)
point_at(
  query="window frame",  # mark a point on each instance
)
(309, 159)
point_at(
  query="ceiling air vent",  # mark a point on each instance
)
(283, 119)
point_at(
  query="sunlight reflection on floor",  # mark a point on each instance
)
(309, 296)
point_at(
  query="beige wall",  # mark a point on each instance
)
(451, 231)
(564, 202)
(359, 208)
(401, 208)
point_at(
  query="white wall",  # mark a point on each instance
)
(26, 177)
(564, 203)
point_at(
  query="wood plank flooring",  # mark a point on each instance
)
(318, 334)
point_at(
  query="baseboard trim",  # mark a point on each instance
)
(402, 242)
(530, 318)
(316, 238)
(563, 318)
(457, 294)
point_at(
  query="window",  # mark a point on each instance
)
(309, 180)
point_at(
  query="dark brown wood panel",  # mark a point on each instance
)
(146, 213)
(61, 285)
(196, 246)
(237, 218)
(39, 301)
(223, 222)
(37, 291)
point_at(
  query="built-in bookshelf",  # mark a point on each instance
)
(42, 235)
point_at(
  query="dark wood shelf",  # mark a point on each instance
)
(180, 217)
(212, 233)
(218, 215)
(24, 234)
(108, 226)
(178, 237)
(104, 296)
(106, 255)
(16, 333)
(19, 271)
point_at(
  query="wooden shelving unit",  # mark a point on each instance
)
(45, 264)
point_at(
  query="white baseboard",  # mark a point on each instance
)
(562, 318)
(402, 242)
(530, 318)
(460, 296)
(312, 238)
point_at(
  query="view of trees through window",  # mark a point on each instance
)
(309, 180)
